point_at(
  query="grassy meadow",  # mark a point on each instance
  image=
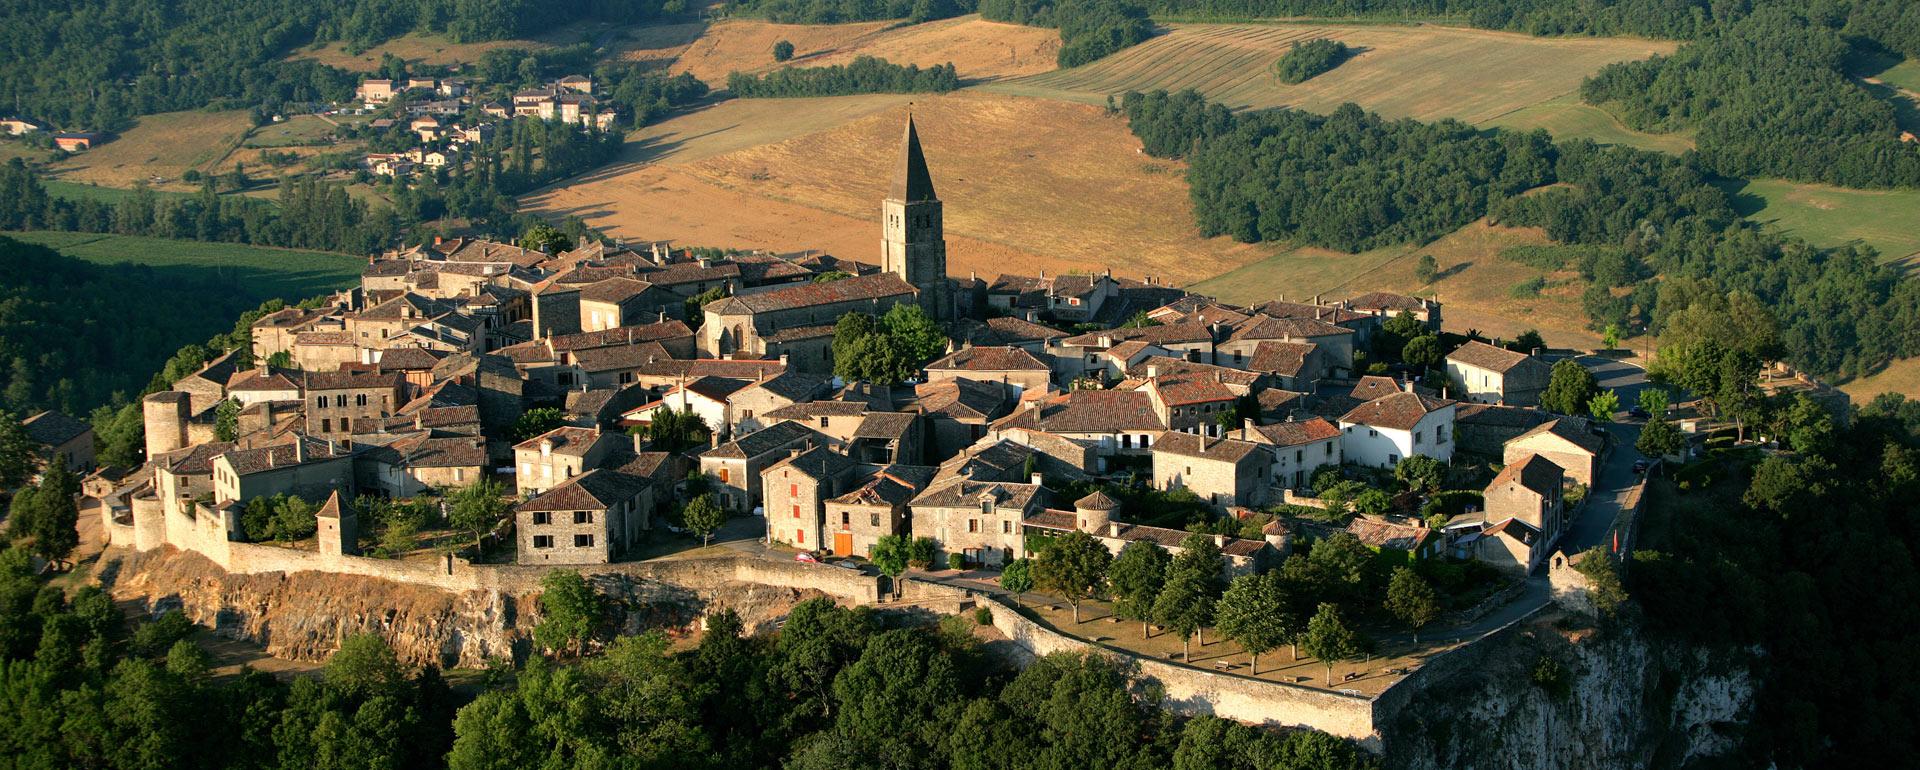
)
(1835, 216)
(290, 274)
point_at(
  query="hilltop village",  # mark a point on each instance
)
(617, 403)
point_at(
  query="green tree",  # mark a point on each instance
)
(1610, 337)
(1660, 439)
(1329, 639)
(1654, 401)
(545, 238)
(364, 667)
(889, 555)
(1186, 604)
(1426, 268)
(226, 420)
(1809, 425)
(18, 458)
(919, 337)
(570, 611)
(1135, 580)
(1256, 613)
(1604, 405)
(50, 515)
(1604, 586)
(1529, 341)
(537, 421)
(1421, 474)
(920, 552)
(1074, 566)
(783, 50)
(477, 508)
(1422, 351)
(1018, 578)
(703, 516)
(1404, 326)
(1412, 600)
(1569, 388)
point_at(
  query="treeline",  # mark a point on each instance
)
(842, 11)
(74, 334)
(1089, 29)
(1353, 181)
(1807, 558)
(1350, 180)
(1305, 60)
(866, 75)
(832, 689)
(98, 63)
(1766, 96)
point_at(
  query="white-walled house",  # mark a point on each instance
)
(706, 396)
(1296, 449)
(1381, 432)
(1493, 375)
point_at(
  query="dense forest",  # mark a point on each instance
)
(1354, 181)
(842, 11)
(1808, 556)
(95, 64)
(1089, 29)
(866, 75)
(832, 689)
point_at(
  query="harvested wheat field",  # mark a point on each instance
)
(160, 147)
(1418, 71)
(1077, 197)
(438, 50)
(1474, 281)
(979, 50)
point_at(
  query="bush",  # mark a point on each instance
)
(1550, 676)
(783, 50)
(983, 616)
(956, 561)
(154, 639)
(866, 75)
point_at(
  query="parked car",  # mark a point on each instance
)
(1640, 466)
(806, 557)
(1639, 414)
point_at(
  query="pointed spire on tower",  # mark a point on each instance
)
(912, 182)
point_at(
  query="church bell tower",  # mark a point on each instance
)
(913, 243)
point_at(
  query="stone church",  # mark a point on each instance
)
(797, 320)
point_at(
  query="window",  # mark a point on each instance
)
(326, 425)
(360, 399)
(1126, 441)
(793, 490)
(626, 378)
(823, 421)
(526, 470)
(846, 519)
(1299, 455)
(346, 424)
(320, 402)
(583, 517)
(340, 400)
(723, 475)
(1372, 432)
(583, 541)
(542, 517)
(1006, 528)
(1439, 434)
(873, 520)
(986, 507)
(800, 536)
(796, 510)
(1418, 437)
(1329, 449)
(973, 525)
(543, 541)
(459, 474)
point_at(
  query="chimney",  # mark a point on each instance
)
(546, 447)
(1406, 384)
(638, 444)
(299, 450)
(436, 240)
(419, 420)
(1043, 274)
(1113, 530)
(1035, 479)
(1246, 428)
(1153, 371)
(1220, 541)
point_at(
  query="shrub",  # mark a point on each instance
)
(783, 50)
(983, 616)
(1307, 59)
(1550, 676)
(956, 561)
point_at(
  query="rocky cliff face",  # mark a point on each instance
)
(304, 615)
(1618, 700)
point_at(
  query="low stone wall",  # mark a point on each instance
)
(1187, 690)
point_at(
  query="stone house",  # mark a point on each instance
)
(1485, 429)
(305, 467)
(750, 405)
(1296, 449)
(419, 463)
(957, 412)
(1192, 403)
(796, 489)
(324, 351)
(1295, 366)
(337, 400)
(1529, 490)
(263, 383)
(57, 436)
(1017, 368)
(1094, 514)
(885, 438)
(836, 418)
(1567, 442)
(591, 519)
(706, 397)
(1388, 305)
(981, 520)
(734, 467)
(1380, 432)
(878, 507)
(550, 459)
(1494, 375)
(1120, 422)
(1512, 546)
(1415, 538)
(617, 302)
(1077, 355)
(1333, 342)
(1222, 471)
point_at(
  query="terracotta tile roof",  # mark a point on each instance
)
(1192, 445)
(349, 380)
(1286, 359)
(1088, 411)
(1008, 330)
(596, 490)
(1492, 415)
(570, 440)
(406, 359)
(54, 428)
(768, 439)
(429, 417)
(323, 338)
(1262, 327)
(195, 460)
(790, 385)
(1063, 521)
(1399, 411)
(679, 273)
(1165, 334)
(1098, 501)
(1386, 535)
(1519, 530)
(890, 486)
(962, 398)
(967, 492)
(1380, 300)
(1186, 389)
(1374, 386)
(1333, 315)
(798, 295)
(624, 335)
(798, 333)
(448, 452)
(1286, 434)
(817, 462)
(618, 357)
(263, 378)
(256, 460)
(989, 359)
(807, 410)
(1167, 365)
(614, 290)
(1537, 474)
(1569, 430)
(1275, 399)
(331, 508)
(885, 425)
(1481, 355)
(740, 368)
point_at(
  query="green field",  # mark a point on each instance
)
(286, 273)
(1835, 216)
(1566, 117)
(1418, 71)
(79, 191)
(297, 131)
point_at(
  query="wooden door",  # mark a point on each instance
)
(843, 543)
